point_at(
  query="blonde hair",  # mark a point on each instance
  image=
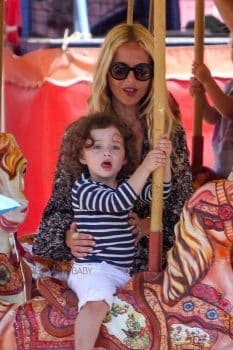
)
(188, 260)
(100, 100)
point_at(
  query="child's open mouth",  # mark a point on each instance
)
(107, 165)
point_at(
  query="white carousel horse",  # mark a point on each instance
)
(12, 171)
(188, 306)
(15, 268)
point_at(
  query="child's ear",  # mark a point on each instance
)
(82, 158)
(125, 161)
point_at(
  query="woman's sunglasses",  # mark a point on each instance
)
(142, 71)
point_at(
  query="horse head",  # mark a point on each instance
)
(12, 171)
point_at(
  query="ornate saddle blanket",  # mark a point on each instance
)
(47, 322)
(138, 319)
(11, 279)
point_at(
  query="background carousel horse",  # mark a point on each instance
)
(12, 171)
(188, 306)
(17, 264)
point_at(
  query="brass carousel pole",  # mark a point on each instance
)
(160, 105)
(1, 61)
(130, 11)
(151, 17)
(197, 142)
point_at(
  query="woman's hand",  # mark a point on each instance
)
(141, 226)
(80, 244)
(165, 145)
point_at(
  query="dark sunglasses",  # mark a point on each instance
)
(142, 71)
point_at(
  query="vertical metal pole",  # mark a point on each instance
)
(130, 10)
(1, 61)
(197, 146)
(81, 22)
(160, 105)
(151, 17)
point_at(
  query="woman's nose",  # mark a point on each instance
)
(130, 76)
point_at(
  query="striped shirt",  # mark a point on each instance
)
(104, 213)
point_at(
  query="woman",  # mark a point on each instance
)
(123, 85)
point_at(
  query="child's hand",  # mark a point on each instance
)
(159, 155)
(201, 72)
(195, 87)
(154, 159)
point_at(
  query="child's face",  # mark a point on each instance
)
(106, 156)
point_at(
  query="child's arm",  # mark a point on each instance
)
(222, 102)
(159, 156)
(210, 113)
(88, 195)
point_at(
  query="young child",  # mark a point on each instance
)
(219, 114)
(100, 149)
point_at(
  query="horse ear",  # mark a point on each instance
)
(230, 177)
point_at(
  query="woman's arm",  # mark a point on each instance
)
(50, 239)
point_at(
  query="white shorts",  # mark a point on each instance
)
(96, 281)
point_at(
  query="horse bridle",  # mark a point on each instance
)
(218, 217)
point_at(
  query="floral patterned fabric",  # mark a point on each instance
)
(50, 239)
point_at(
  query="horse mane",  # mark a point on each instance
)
(11, 157)
(188, 260)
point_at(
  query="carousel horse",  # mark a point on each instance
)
(12, 171)
(189, 306)
(16, 261)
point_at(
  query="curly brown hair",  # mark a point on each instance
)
(79, 132)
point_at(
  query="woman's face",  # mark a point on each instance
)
(129, 91)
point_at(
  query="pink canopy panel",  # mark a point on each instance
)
(46, 90)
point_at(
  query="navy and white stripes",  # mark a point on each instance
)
(103, 212)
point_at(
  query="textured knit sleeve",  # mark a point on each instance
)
(181, 188)
(49, 240)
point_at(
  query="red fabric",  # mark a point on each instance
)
(38, 116)
(13, 17)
